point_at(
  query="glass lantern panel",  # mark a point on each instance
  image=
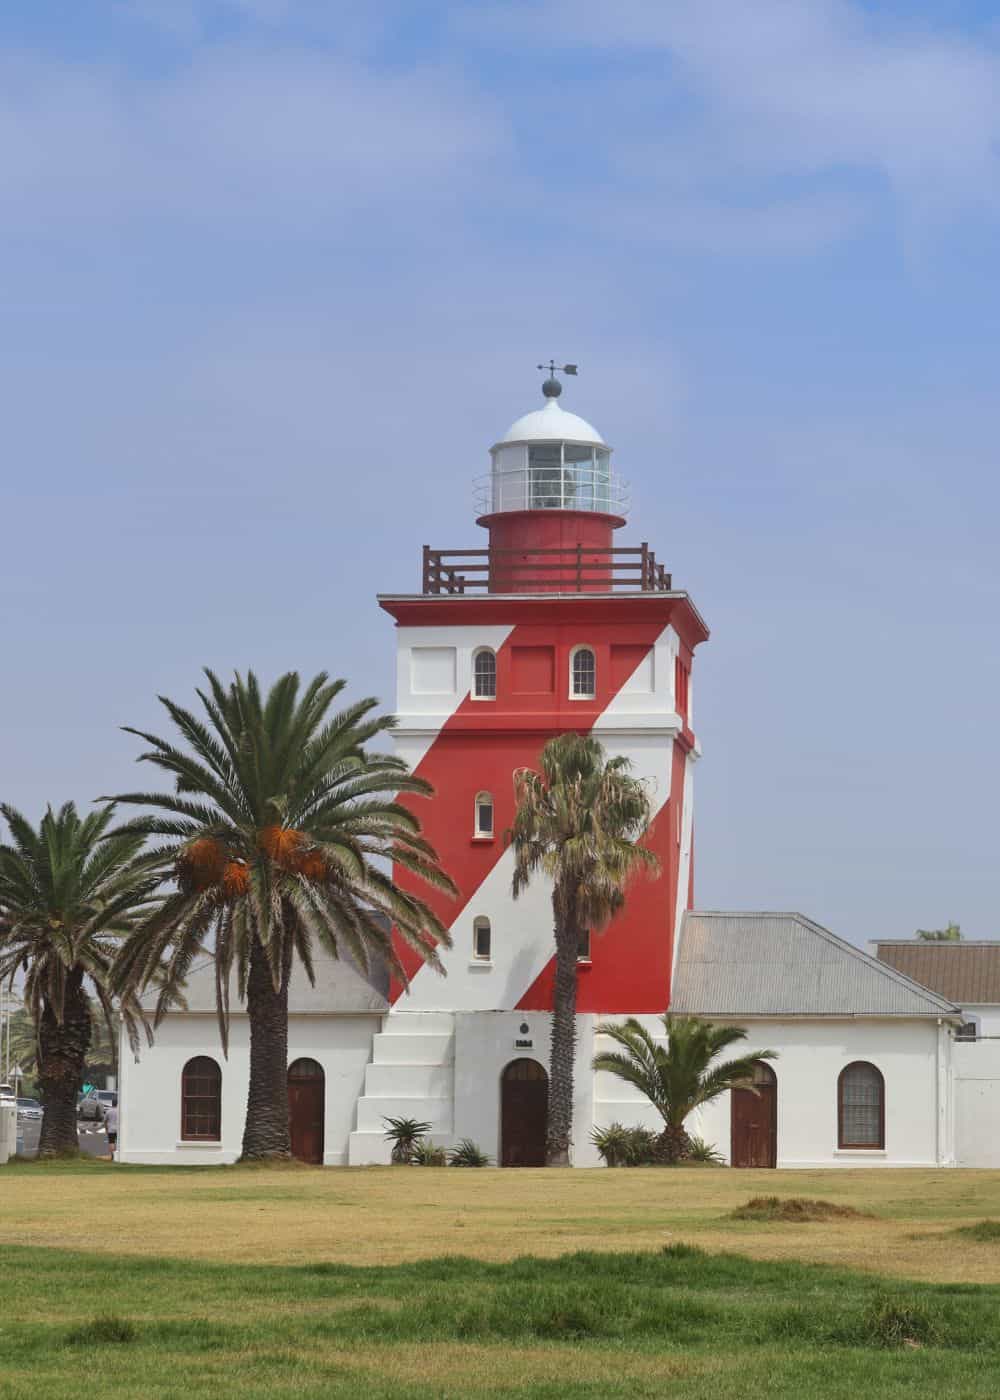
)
(545, 476)
(578, 488)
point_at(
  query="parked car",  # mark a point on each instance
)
(92, 1107)
(30, 1110)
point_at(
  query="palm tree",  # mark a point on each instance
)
(578, 822)
(679, 1077)
(69, 893)
(277, 832)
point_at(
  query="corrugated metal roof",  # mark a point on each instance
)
(340, 987)
(776, 964)
(964, 972)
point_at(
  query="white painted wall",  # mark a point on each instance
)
(811, 1055)
(150, 1090)
(484, 1044)
(433, 677)
(976, 1071)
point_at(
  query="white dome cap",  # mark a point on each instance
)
(552, 424)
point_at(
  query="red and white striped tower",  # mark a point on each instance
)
(550, 628)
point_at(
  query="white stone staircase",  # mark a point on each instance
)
(411, 1075)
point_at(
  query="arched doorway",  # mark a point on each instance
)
(524, 1114)
(755, 1121)
(306, 1109)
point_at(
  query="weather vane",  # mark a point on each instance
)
(552, 388)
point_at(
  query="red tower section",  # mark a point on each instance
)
(551, 628)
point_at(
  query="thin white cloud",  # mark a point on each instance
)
(781, 90)
(237, 131)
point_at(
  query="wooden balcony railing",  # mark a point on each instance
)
(573, 569)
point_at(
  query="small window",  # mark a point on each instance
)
(968, 1030)
(201, 1101)
(484, 814)
(583, 947)
(583, 676)
(861, 1107)
(484, 673)
(482, 940)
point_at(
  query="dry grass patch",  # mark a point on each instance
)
(385, 1215)
(796, 1210)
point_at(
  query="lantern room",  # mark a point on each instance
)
(552, 460)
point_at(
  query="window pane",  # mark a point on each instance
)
(545, 476)
(584, 673)
(485, 675)
(201, 1099)
(481, 938)
(484, 816)
(861, 1107)
(583, 947)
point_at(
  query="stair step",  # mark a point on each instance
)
(418, 1023)
(432, 1049)
(408, 1081)
(373, 1112)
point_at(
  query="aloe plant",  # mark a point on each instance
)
(405, 1135)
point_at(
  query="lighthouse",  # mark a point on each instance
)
(548, 625)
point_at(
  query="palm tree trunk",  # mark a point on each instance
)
(563, 1049)
(265, 1132)
(63, 1047)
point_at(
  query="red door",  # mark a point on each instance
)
(306, 1105)
(524, 1114)
(755, 1121)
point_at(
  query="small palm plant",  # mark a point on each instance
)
(405, 1134)
(468, 1154)
(612, 1143)
(427, 1154)
(679, 1077)
(70, 892)
(579, 822)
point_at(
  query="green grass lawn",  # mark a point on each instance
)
(677, 1321)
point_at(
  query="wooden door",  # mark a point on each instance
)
(306, 1110)
(524, 1114)
(755, 1121)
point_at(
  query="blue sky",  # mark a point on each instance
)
(275, 273)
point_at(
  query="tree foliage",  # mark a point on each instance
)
(278, 833)
(577, 822)
(681, 1075)
(70, 893)
(951, 933)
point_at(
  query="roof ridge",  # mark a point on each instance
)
(884, 968)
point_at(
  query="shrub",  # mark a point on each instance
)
(613, 1143)
(425, 1154)
(701, 1151)
(404, 1134)
(102, 1331)
(468, 1154)
(889, 1322)
(643, 1149)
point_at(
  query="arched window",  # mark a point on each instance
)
(484, 814)
(484, 675)
(583, 675)
(482, 939)
(201, 1101)
(861, 1106)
